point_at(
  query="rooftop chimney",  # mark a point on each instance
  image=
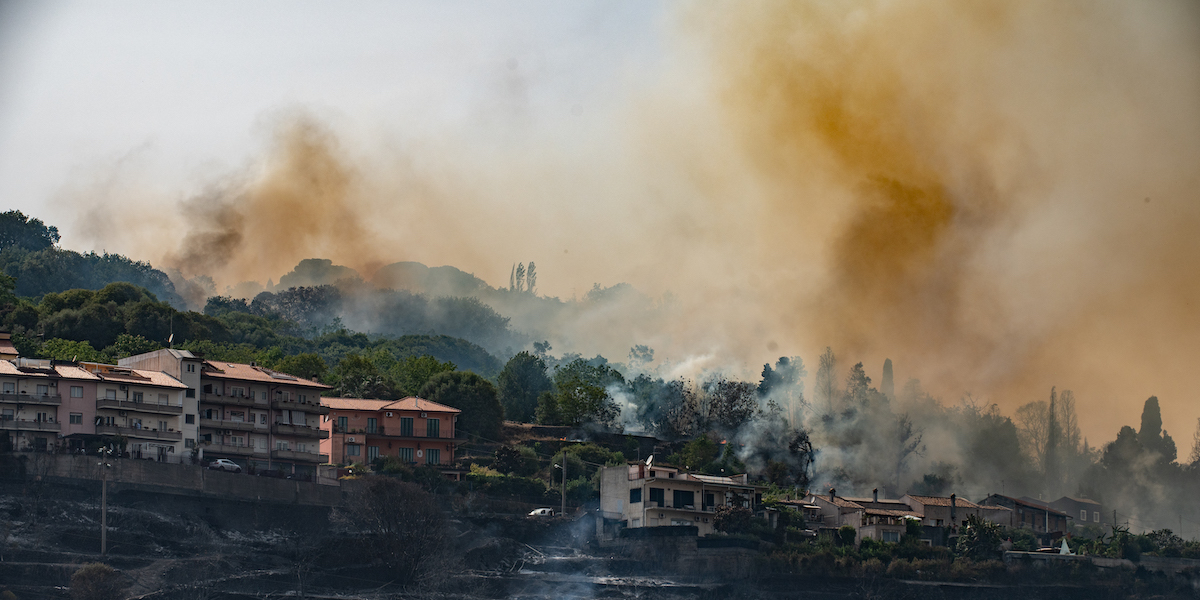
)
(876, 492)
(953, 510)
(832, 493)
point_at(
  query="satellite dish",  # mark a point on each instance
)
(649, 460)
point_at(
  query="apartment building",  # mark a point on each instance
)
(641, 495)
(29, 404)
(145, 407)
(261, 419)
(417, 431)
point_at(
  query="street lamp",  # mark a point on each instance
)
(563, 466)
(106, 454)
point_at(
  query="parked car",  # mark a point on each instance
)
(224, 464)
(542, 512)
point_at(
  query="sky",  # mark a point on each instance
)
(1000, 197)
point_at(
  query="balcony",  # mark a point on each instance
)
(232, 400)
(15, 425)
(47, 400)
(308, 407)
(230, 450)
(297, 455)
(299, 431)
(227, 424)
(399, 432)
(145, 407)
(142, 433)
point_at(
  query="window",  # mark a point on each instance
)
(237, 416)
(162, 425)
(683, 499)
(353, 450)
(162, 399)
(191, 368)
(342, 423)
(281, 445)
(709, 499)
(43, 390)
(77, 418)
(372, 452)
(658, 495)
(433, 457)
(302, 447)
(1083, 515)
(939, 522)
(77, 391)
(431, 427)
(11, 388)
(372, 425)
(7, 414)
(303, 398)
(635, 495)
(262, 419)
(891, 536)
(237, 391)
(1096, 517)
(137, 397)
(189, 419)
(406, 455)
(406, 426)
(110, 394)
(190, 393)
(189, 443)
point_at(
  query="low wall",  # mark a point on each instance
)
(151, 476)
(1150, 563)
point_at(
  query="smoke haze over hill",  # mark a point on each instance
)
(1001, 197)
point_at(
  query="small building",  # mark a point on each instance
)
(836, 511)
(1032, 514)
(415, 430)
(1083, 510)
(640, 495)
(939, 511)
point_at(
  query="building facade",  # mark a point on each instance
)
(640, 495)
(415, 430)
(264, 420)
(1032, 515)
(143, 407)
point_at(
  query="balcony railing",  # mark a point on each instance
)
(299, 431)
(22, 425)
(231, 450)
(228, 424)
(232, 400)
(146, 407)
(397, 432)
(48, 399)
(297, 455)
(309, 407)
(135, 432)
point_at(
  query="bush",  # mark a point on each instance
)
(733, 519)
(846, 535)
(97, 581)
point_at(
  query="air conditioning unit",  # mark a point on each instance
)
(124, 387)
(351, 439)
(120, 413)
(389, 414)
(423, 415)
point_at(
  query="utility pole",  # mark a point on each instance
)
(105, 466)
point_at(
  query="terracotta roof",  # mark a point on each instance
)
(837, 501)
(1031, 503)
(7, 368)
(7, 347)
(243, 372)
(940, 501)
(413, 403)
(354, 403)
(994, 507)
(1079, 500)
(72, 372)
(887, 512)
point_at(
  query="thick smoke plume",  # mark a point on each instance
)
(1002, 197)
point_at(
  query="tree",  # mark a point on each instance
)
(582, 392)
(520, 277)
(1050, 466)
(825, 387)
(412, 373)
(401, 526)
(730, 403)
(858, 386)
(980, 539)
(60, 349)
(1033, 425)
(520, 383)
(732, 519)
(357, 377)
(887, 385)
(308, 366)
(1152, 436)
(531, 279)
(1194, 458)
(19, 231)
(481, 415)
(97, 581)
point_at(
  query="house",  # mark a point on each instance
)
(1032, 514)
(261, 419)
(29, 404)
(939, 511)
(1083, 510)
(417, 431)
(836, 511)
(639, 495)
(145, 407)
